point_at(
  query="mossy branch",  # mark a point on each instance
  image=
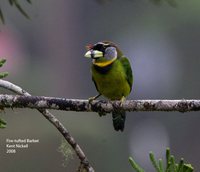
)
(100, 106)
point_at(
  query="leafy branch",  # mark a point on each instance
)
(171, 165)
(16, 4)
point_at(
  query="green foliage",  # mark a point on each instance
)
(135, 166)
(2, 75)
(66, 151)
(18, 6)
(2, 123)
(171, 165)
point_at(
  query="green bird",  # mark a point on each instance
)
(112, 76)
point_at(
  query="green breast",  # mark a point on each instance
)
(111, 81)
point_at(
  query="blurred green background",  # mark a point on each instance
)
(45, 56)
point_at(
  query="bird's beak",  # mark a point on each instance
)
(94, 54)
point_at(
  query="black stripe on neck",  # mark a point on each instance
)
(103, 70)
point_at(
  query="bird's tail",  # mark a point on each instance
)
(119, 118)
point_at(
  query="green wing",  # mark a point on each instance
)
(127, 68)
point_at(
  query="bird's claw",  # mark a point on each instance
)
(93, 98)
(122, 101)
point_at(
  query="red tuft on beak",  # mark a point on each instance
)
(89, 47)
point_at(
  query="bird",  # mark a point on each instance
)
(112, 76)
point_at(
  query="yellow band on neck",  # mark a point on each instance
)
(104, 64)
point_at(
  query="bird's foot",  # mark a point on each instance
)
(123, 99)
(93, 98)
(90, 99)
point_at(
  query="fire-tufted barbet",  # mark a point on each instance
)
(112, 76)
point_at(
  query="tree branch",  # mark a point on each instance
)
(85, 165)
(40, 102)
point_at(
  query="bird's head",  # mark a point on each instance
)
(103, 53)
